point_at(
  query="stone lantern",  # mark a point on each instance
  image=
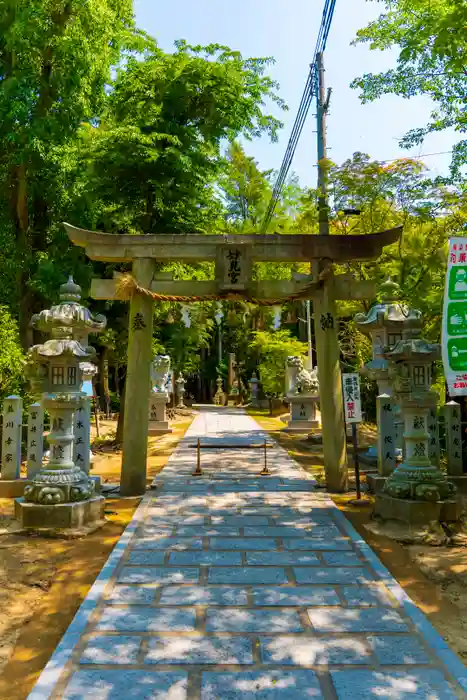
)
(219, 397)
(180, 382)
(417, 492)
(254, 390)
(61, 494)
(387, 322)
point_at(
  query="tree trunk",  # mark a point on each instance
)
(121, 416)
(104, 373)
(21, 219)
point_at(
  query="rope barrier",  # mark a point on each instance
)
(127, 286)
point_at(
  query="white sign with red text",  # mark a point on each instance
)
(352, 399)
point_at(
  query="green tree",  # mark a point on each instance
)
(55, 61)
(12, 358)
(246, 189)
(156, 157)
(432, 61)
(273, 349)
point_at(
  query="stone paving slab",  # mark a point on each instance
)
(426, 684)
(234, 587)
(230, 620)
(199, 595)
(200, 650)
(297, 597)
(305, 651)
(115, 619)
(126, 685)
(261, 685)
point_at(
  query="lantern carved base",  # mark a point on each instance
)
(53, 486)
(63, 518)
(422, 483)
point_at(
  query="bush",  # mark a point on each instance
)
(11, 357)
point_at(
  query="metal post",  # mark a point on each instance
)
(355, 459)
(198, 471)
(265, 471)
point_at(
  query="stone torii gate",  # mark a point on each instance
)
(233, 256)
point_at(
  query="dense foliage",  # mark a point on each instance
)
(102, 128)
(431, 38)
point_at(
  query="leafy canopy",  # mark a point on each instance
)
(431, 37)
(273, 348)
(155, 159)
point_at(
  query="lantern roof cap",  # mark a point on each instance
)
(389, 312)
(414, 349)
(69, 318)
(61, 347)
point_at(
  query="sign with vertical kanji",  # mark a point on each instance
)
(454, 342)
(352, 400)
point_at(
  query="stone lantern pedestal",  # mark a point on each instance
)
(302, 389)
(159, 396)
(303, 414)
(158, 423)
(61, 496)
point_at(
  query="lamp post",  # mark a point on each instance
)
(219, 316)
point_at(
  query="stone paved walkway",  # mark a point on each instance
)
(234, 586)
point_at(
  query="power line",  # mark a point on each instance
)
(394, 160)
(309, 93)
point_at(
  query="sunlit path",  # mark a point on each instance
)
(234, 586)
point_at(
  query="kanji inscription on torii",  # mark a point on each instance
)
(233, 268)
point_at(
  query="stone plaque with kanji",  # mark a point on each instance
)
(233, 268)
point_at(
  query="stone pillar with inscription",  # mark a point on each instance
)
(453, 437)
(11, 438)
(386, 435)
(35, 451)
(82, 435)
(386, 443)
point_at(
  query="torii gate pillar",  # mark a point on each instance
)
(330, 379)
(135, 426)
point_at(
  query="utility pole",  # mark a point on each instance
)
(322, 110)
(326, 324)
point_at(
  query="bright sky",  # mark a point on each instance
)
(287, 30)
